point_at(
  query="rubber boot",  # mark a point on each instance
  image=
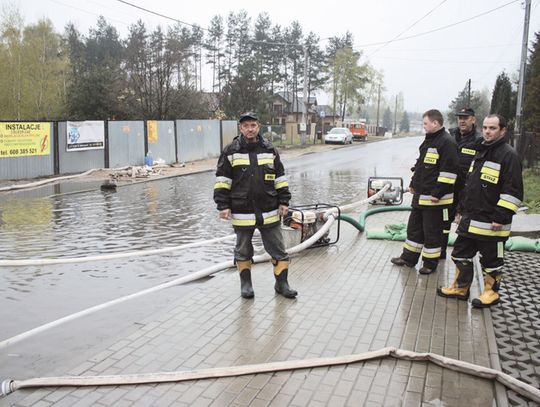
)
(490, 296)
(462, 282)
(281, 271)
(244, 268)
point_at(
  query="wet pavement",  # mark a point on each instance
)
(351, 300)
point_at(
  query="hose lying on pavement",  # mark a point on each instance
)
(49, 180)
(329, 217)
(524, 389)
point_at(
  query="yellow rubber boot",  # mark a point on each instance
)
(490, 296)
(281, 271)
(462, 283)
(246, 288)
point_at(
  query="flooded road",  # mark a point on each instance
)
(44, 224)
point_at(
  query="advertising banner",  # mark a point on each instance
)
(151, 127)
(25, 139)
(87, 135)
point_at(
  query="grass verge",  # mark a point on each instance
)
(531, 185)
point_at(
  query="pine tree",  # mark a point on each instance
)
(503, 101)
(531, 103)
(387, 119)
(405, 123)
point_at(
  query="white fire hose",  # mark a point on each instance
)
(10, 385)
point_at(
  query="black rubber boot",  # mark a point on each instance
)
(281, 271)
(246, 288)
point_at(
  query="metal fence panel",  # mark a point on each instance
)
(164, 148)
(76, 161)
(197, 139)
(229, 131)
(126, 143)
(14, 168)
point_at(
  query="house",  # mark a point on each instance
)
(286, 108)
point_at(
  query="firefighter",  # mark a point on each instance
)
(492, 195)
(252, 190)
(432, 186)
(467, 137)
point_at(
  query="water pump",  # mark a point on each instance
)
(392, 196)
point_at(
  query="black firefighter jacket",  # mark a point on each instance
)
(251, 181)
(493, 192)
(435, 171)
(466, 145)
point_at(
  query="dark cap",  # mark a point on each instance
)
(248, 116)
(467, 111)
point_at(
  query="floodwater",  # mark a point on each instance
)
(54, 222)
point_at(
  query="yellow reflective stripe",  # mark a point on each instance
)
(269, 177)
(445, 215)
(265, 161)
(468, 151)
(243, 222)
(271, 219)
(430, 160)
(445, 180)
(508, 205)
(486, 232)
(429, 202)
(281, 184)
(239, 161)
(490, 171)
(500, 250)
(446, 232)
(412, 248)
(433, 255)
(222, 185)
(432, 155)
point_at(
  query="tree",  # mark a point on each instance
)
(503, 101)
(404, 124)
(387, 119)
(479, 102)
(531, 103)
(96, 79)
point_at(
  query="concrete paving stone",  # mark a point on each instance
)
(412, 399)
(32, 397)
(281, 400)
(246, 395)
(91, 399)
(323, 393)
(80, 369)
(415, 384)
(223, 399)
(432, 394)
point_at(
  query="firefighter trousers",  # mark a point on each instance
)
(424, 235)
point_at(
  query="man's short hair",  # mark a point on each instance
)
(502, 121)
(434, 115)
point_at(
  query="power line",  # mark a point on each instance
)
(443, 27)
(408, 28)
(162, 15)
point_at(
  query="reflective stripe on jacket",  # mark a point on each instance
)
(493, 192)
(251, 181)
(435, 172)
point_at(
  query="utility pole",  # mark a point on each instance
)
(469, 93)
(378, 107)
(395, 116)
(303, 125)
(519, 108)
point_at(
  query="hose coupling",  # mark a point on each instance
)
(6, 387)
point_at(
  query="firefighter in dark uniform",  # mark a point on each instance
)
(252, 190)
(467, 137)
(432, 185)
(492, 195)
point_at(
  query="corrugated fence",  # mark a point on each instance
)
(40, 149)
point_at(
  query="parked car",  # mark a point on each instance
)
(338, 135)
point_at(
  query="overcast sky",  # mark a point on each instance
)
(430, 69)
